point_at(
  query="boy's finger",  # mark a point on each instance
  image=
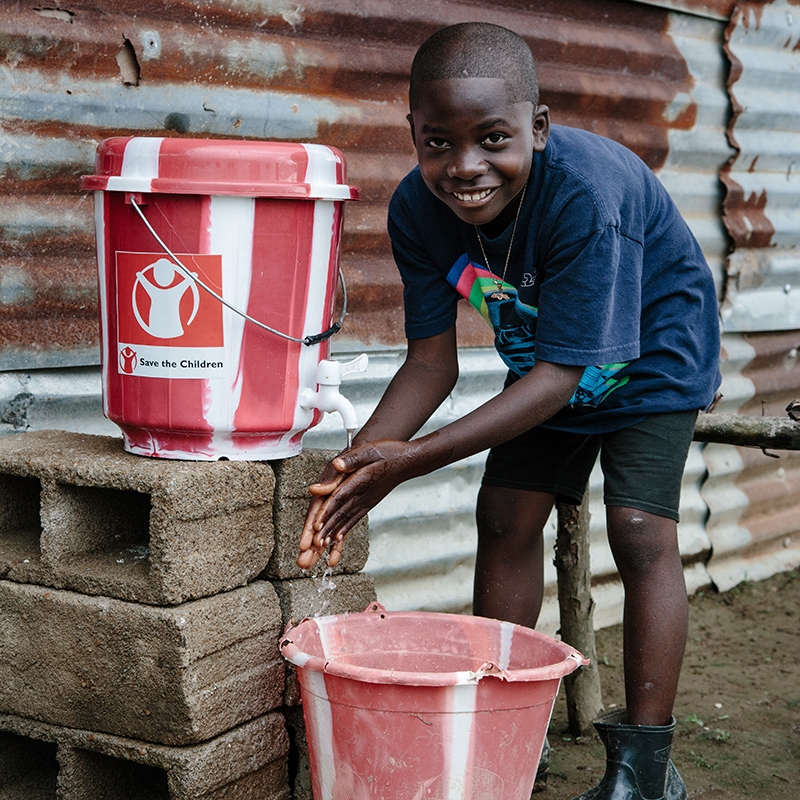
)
(324, 489)
(321, 541)
(353, 460)
(307, 559)
(336, 552)
(339, 512)
(307, 534)
(310, 549)
(306, 544)
(327, 507)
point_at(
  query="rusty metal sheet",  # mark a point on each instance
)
(753, 524)
(696, 156)
(762, 205)
(713, 9)
(325, 70)
(752, 496)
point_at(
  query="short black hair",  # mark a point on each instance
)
(476, 50)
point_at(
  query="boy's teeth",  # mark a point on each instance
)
(473, 197)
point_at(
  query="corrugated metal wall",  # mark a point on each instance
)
(713, 9)
(754, 524)
(321, 71)
(762, 204)
(653, 75)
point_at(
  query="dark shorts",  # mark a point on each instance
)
(642, 464)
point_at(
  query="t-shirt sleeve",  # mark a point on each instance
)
(429, 301)
(590, 298)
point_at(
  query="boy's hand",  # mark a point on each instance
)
(310, 550)
(354, 483)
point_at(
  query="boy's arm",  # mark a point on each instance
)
(419, 387)
(369, 472)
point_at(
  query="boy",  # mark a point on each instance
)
(605, 312)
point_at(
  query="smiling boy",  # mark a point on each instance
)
(604, 311)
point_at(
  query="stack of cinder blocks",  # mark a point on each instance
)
(141, 604)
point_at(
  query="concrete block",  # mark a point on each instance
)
(293, 476)
(299, 765)
(174, 675)
(39, 761)
(313, 597)
(28, 768)
(78, 512)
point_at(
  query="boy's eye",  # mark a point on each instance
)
(437, 144)
(495, 138)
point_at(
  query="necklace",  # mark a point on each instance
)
(499, 294)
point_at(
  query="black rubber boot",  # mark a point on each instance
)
(638, 766)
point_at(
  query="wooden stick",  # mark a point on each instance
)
(584, 698)
(777, 433)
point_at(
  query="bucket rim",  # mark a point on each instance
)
(330, 666)
(213, 167)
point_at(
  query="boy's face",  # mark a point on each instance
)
(474, 146)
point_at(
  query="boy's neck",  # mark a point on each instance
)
(496, 226)
(493, 229)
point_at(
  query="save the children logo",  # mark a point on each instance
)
(164, 285)
(128, 360)
(167, 327)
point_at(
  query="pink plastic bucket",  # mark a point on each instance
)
(257, 223)
(425, 706)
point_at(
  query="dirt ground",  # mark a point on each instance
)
(738, 707)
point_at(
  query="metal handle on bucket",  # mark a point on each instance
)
(309, 340)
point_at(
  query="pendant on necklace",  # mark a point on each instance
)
(498, 293)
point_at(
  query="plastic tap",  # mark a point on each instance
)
(327, 397)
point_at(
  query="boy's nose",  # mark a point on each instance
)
(466, 165)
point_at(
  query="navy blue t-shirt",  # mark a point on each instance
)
(604, 273)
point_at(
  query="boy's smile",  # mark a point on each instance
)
(475, 146)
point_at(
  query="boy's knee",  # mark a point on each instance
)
(504, 525)
(510, 514)
(640, 540)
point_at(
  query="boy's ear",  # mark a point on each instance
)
(541, 128)
(410, 118)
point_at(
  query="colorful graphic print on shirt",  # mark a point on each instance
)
(514, 325)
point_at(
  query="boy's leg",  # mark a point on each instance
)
(645, 549)
(510, 558)
(643, 470)
(524, 477)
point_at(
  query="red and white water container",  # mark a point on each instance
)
(183, 225)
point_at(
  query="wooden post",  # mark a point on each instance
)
(584, 697)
